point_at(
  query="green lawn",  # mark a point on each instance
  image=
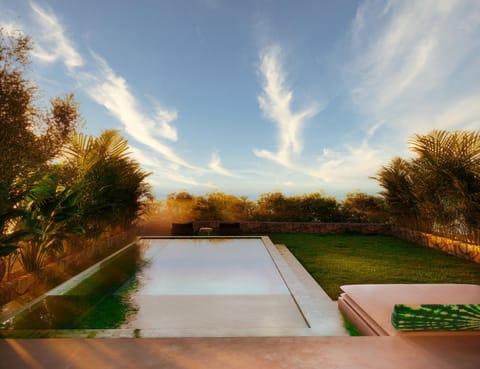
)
(335, 260)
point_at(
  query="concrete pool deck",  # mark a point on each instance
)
(250, 352)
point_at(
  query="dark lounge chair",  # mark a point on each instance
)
(182, 229)
(229, 229)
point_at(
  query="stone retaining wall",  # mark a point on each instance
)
(30, 285)
(453, 247)
(299, 227)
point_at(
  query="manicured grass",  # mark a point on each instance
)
(352, 331)
(336, 260)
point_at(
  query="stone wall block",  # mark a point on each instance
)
(24, 283)
(454, 247)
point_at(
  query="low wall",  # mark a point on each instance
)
(299, 227)
(453, 247)
(30, 285)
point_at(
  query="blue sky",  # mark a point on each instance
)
(248, 97)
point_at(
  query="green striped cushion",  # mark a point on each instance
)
(436, 317)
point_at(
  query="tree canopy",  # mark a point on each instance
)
(30, 135)
(439, 189)
(54, 181)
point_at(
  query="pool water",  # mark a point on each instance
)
(168, 283)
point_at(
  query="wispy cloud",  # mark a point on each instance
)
(461, 113)
(178, 177)
(341, 165)
(276, 104)
(164, 119)
(162, 170)
(351, 164)
(216, 166)
(112, 91)
(10, 27)
(413, 63)
(149, 161)
(411, 71)
(53, 45)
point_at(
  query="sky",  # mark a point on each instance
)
(254, 96)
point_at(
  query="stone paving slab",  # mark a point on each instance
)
(252, 353)
(321, 312)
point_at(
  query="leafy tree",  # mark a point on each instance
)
(271, 206)
(220, 206)
(401, 198)
(30, 136)
(363, 208)
(178, 207)
(46, 217)
(243, 208)
(439, 189)
(313, 207)
(449, 163)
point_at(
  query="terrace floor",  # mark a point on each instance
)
(253, 352)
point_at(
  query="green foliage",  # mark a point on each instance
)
(9, 242)
(182, 207)
(436, 317)
(359, 207)
(45, 197)
(352, 331)
(400, 196)
(220, 206)
(439, 190)
(113, 185)
(313, 207)
(48, 211)
(30, 136)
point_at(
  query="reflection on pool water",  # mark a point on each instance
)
(170, 283)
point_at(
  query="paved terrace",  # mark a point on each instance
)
(253, 353)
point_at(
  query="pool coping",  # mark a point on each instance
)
(320, 313)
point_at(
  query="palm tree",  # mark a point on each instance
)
(114, 185)
(450, 163)
(440, 187)
(48, 211)
(399, 193)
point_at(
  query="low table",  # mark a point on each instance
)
(205, 231)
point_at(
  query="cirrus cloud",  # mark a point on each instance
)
(276, 104)
(54, 44)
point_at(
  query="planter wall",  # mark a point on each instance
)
(30, 285)
(454, 247)
(300, 227)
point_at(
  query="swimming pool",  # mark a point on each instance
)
(165, 286)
